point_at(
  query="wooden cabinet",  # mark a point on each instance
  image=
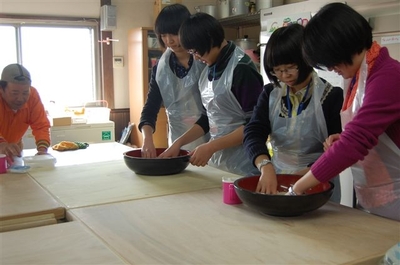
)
(143, 53)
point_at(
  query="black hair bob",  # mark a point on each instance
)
(334, 35)
(285, 47)
(169, 20)
(201, 32)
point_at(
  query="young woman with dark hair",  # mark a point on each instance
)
(298, 111)
(339, 39)
(174, 83)
(229, 87)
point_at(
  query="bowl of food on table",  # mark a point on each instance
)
(281, 204)
(156, 166)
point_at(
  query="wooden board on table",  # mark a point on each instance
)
(22, 197)
(112, 181)
(27, 222)
(198, 228)
(65, 243)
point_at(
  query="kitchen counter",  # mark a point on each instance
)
(176, 219)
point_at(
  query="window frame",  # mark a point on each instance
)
(46, 21)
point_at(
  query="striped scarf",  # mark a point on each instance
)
(371, 56)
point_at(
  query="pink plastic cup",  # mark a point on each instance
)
(229, 192)
(3, 163)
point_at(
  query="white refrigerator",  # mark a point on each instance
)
(89, 133)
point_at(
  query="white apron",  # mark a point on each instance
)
(376, 177)
(181, 98)
(297, 141)
(225, 115)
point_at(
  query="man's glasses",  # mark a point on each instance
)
(288, 71)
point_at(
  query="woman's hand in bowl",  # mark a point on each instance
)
(267, 183)
(172, 151)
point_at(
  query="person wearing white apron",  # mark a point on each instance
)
(174, 84)
(229, 89)
(294, 111)
(293, 139)
(370, 141)
(181, 98)
(225, 115)
(376, 178)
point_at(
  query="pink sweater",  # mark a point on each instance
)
(380, 113)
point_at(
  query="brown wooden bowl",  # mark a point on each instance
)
(281, 204)
(156, 166)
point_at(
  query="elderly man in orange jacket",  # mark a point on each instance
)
(21, 107)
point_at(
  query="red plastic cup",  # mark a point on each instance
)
(229, 192)
(3, 163)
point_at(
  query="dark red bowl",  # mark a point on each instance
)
(156, 166)
(280, 204)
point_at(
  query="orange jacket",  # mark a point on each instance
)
(13, 125)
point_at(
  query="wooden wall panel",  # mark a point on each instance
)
(121, 119)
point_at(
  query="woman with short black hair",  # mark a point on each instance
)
(174, 84)
(298, 111)
(339, 39)
(229, 87)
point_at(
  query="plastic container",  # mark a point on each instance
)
(40, 161)
(18, 169)
(18, 161)
(97, 111)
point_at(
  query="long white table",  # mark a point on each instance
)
(179, 219)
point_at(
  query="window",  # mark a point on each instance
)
(62, 58)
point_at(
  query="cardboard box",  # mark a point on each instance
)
(62, 121)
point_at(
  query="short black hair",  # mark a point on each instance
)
(201, 32)
(169, 20)
(334, 35)
(284, 47)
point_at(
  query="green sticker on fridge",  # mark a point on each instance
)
(105, 135)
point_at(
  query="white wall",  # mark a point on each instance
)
(131, 14)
